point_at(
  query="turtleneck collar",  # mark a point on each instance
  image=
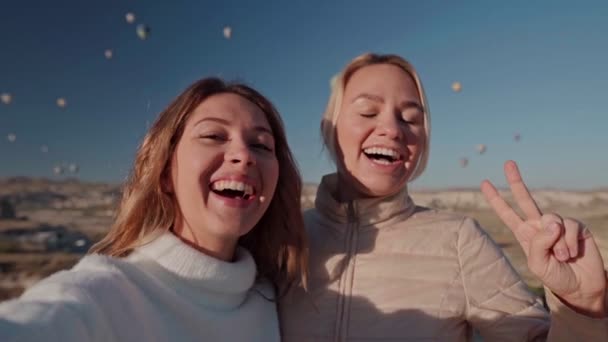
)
(367, 210)
(218, 283)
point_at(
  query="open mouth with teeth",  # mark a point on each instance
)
(382, 155)
(233, 189)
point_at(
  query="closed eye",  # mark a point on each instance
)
(368, 115)
(262, 147)
(215, 137)
(409, 122)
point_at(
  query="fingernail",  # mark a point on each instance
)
(562, 254)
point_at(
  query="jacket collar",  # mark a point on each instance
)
(365, 211)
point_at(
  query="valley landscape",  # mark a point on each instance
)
(47, 225)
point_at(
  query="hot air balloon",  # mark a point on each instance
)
(73, 168)
(6, 98)
(516, 137)
(481, 148)
(61, 102)
(130, 18)
(227, 32)
(11, 137)
(108, 53)
(456, 87)
(58, 170)
(463, 162)
(142, 31)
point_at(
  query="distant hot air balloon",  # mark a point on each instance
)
(227, 32)
(108, 53)
(130, 18)
(73, 168)
(44, 149)
(61, 102)
(142, 31)
(463, 162)
(481, 148)
(516, 137)
(6, 98)
(58, 170)
(11, 137)
(456, 87)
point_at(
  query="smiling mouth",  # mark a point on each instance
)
(382, 155)
(233, 189)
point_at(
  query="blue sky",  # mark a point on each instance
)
(537, 68)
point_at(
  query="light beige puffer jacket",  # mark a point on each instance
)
(387, 270)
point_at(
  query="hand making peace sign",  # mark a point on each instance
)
(561, 252)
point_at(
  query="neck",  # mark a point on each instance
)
(346, 189)
(222, 249)
(349, 189)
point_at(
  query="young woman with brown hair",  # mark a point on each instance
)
(208, 226)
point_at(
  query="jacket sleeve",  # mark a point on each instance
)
(55, 309)
(568, 325)
(500, 305)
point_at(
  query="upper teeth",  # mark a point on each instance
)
(383, 151)
(232, 185)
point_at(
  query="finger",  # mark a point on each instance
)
(522, 196)
(502, 209)
(573, 233)
(540, 248)
(560, 248)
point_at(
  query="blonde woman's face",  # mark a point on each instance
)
(380, 130)
(224, 170)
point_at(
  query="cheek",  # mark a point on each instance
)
(415, 139)
(196, 162)
(350, 136)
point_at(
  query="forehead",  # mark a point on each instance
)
(384, 80)
(232, 108)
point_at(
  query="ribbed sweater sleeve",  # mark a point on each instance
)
(55, 309)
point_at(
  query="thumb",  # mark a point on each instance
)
(549, 218)
(541, 245)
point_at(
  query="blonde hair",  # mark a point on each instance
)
(338, 85)
(277, 242)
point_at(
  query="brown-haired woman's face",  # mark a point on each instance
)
(380, 129)
(224, 170)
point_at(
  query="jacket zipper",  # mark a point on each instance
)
(346, 276)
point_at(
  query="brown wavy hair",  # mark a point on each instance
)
(277, 242)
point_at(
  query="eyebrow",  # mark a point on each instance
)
(403, 105)
(225, 122)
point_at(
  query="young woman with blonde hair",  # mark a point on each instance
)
(383, 268)
(209, 222)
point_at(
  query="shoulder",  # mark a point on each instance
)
(313, 221)
(436, 219)
(458, 230)
(264, 288)
(310, 215)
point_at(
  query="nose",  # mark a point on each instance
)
(389, 126)
(239, 153)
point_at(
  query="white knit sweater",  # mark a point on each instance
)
(164, 291)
